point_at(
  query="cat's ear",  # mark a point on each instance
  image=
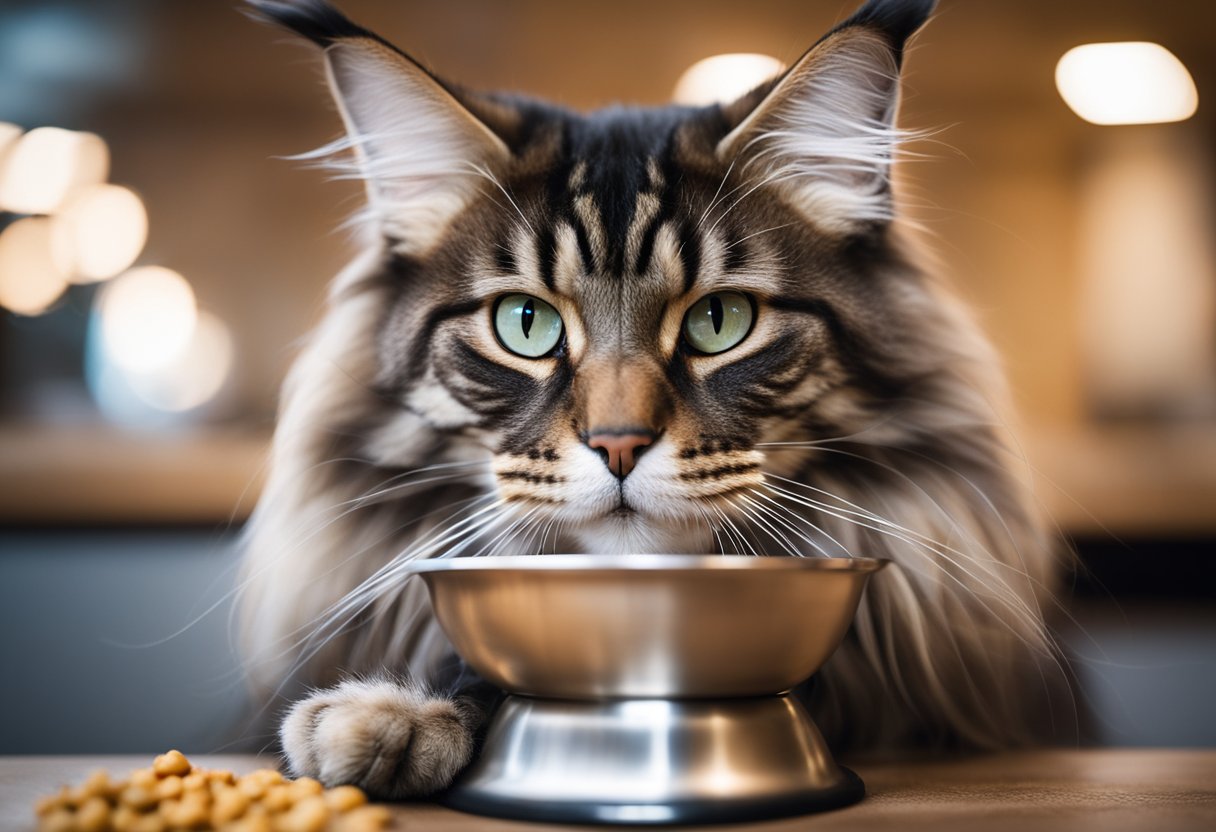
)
(416, 144)
(824, 132)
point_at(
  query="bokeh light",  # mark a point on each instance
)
(9, 133)
(29, 279)
(47, 165)
(148, 317)
(196, 373)
(1126, 83)
(723, 78)
(99, 233)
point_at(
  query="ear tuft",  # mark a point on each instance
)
(420, 150)
(897, 20)
(313, 19)
(824, 135)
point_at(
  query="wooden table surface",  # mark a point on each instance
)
(1040, 791)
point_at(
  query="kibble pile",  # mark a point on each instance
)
(174, 795)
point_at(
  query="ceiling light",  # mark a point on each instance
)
(195, 375)
(99, 233)
(723, 78)
(148, 317)
(29, 279)
(1126, 83)
(47, 165)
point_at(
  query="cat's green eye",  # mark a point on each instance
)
(719, 321)
(526, 325)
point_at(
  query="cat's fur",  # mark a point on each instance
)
(859, 416)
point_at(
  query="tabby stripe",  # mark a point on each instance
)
(721, 471)
(546, 253)
(668, 174)
(545, 399)
(855, 354)
(690, 254)
(535, 479)
(584, 243)
(646, 247)
(417, 363)
(488, 375)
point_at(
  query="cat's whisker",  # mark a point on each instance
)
(485, 172)
(397, 568)
(1009, 600)
(544, 536)
(739, 536)
(236, 591)
(334, 621)
(726, 532)
(351, 506)
(356, 554)
(731, 533)
(543, 531)
(374, 591)
(873, 523)
(520, 537)
(823, 533)
(774, 516)
(950, 520)
(710, 524)
(757, 518)
(767, 179)
(714, 200)
(391, 491)
(987, 501)
(756, 514)
(852, 509)
(741, 240)
(507, 535)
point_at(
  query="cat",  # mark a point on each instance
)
(662, 330)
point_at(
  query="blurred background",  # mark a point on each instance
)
(160, 261)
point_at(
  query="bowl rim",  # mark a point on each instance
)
(646, 563)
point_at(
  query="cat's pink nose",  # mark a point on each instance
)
(621, 449)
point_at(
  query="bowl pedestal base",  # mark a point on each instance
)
(652, 761)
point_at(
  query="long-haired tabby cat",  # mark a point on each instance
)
(676, 329)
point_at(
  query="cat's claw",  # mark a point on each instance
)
(392, 739)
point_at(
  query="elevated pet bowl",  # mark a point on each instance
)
(649, 688)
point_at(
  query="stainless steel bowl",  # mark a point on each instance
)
(652, 683)
(646, 626)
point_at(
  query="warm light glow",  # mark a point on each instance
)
(723, 78)
(9, 133)
(1126, 83)
(47, 165)
(1147, 276)
(29, 279)
(99, 233)
(147, 318)
(195, 375)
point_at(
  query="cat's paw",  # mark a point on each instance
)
(391, 739)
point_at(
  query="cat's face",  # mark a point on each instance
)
(623, 343)
(654, 330)
(624, 309)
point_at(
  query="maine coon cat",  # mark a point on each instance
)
(639, 330)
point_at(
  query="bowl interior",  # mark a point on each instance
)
(646, 626)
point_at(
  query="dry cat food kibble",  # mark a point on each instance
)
(174, 795)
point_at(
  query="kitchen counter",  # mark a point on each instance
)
(1034, 791)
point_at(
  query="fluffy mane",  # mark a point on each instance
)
(894, 447)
